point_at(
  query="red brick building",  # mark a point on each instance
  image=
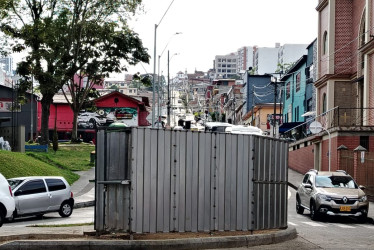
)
(344, 85)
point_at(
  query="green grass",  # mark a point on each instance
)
(64, 162)
(13, 164)
(71, 157)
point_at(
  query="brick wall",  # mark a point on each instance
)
(301, 160)
(343, 37)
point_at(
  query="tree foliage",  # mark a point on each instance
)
(65, 37)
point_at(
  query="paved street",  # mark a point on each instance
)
(330, 233)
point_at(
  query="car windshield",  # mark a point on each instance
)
(14, 183)
(335, 182)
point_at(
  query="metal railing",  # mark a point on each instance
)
(334, 118)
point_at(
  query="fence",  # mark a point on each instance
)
(151, 180)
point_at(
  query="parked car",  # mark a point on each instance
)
(37, 195)
(92, 120)
(7, 204)
(331, 193)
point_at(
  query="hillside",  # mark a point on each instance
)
(13, 164)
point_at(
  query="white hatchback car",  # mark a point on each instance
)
(7, 204)
(37, 195)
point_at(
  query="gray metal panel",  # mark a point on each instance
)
(161, 178)
(188, 181)
(167, 182)
(207, 182)
(251, 194)
(188, 187)
(182, 182)
(239, 177)
(233, 183)
(99, 189)
(221, 181)
(195, 181)
(201, 191)
(228, 172)
(139, 188)
(152, 141)
(213, 184)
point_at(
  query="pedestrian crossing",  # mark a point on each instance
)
(321, 224)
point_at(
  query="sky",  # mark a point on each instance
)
(219, 27)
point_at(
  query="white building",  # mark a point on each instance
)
(6, 63)
(225, 66)
(245, 58)
(266, 60)
(290, 53)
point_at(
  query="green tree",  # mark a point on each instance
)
(63, 38)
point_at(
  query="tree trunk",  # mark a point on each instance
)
(47, 100)
(74, 132)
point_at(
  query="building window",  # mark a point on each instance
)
(219, 65)
(324, 102)
(298, 76)
(288, 90)
(325, 41)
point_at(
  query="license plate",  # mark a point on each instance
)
(345, 208)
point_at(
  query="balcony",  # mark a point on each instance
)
(336, 119)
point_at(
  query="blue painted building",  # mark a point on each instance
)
(298, 90)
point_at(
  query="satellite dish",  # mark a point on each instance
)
(315, 127)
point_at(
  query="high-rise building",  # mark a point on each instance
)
(226, 66)
(245, 58)
(6, 63)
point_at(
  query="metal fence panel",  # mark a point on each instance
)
(191, 181)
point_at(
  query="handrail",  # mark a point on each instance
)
(313, 118)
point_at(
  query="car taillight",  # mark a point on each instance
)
(10, 191)
(71, 195)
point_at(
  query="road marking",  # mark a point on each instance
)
(313, 224)
(344, 226)
(371, 227)
(293, 224)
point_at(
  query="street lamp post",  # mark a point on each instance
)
(154, 67)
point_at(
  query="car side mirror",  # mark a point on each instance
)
(362, 187)
(307, 185)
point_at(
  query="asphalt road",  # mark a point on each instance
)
(330, 233)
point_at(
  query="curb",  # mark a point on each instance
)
(84, 204)
(193, 243)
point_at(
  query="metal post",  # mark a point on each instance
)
(154, 79)
(158, 93)
(275, 106)
(168, 107)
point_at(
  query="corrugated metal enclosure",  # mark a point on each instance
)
(152, 180)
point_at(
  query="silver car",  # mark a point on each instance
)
(331, 193)
(37, 195)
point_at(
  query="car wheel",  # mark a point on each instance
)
(66, 209)
(299, 208)
(2, 218)
(313, 212)
(363, 218)
(93, 122)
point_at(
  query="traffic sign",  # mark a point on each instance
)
(315, 127)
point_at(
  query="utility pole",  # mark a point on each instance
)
(168, 107)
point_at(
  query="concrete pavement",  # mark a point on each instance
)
(73, 237)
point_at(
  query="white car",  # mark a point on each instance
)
(7, 204)
(37, 195)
